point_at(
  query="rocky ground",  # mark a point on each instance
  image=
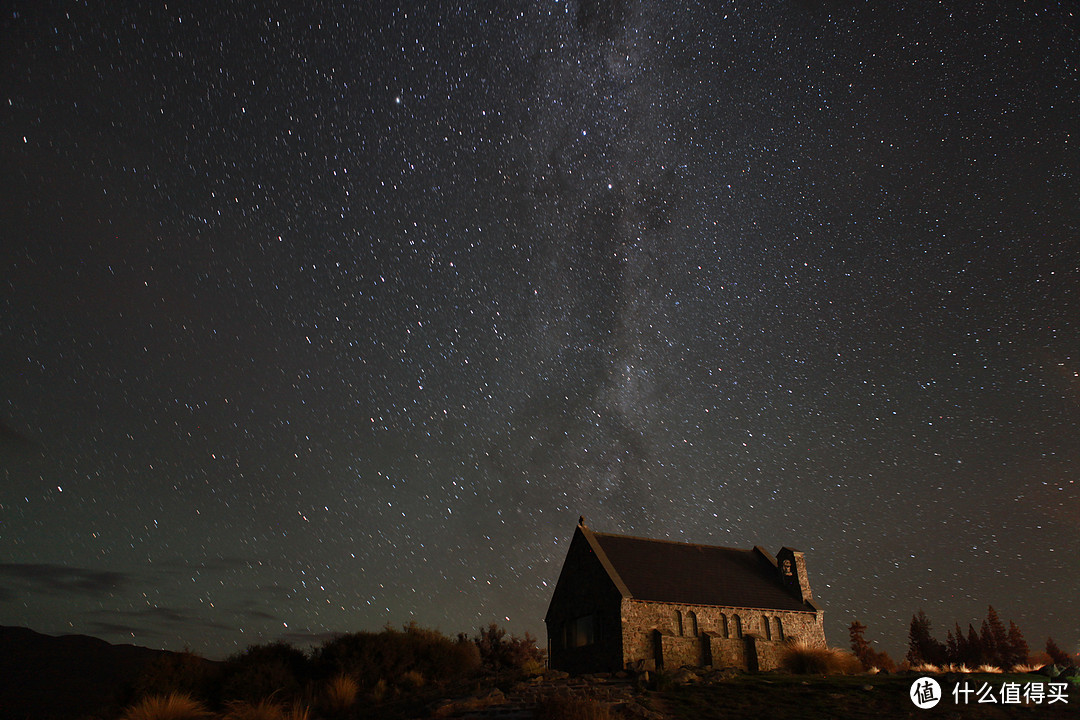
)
(734, 695)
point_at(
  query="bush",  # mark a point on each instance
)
(277, 669)
(880, 661)
(412, 680)
(568, 708)
(388, 655)
(264, 710)
(181, 674)
(499, 651)
(174, 706)
(802, 659)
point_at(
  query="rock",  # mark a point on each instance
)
(684, 676)
(494, 696)
(441, 707)
(635, 710)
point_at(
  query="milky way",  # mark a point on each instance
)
(316, 319)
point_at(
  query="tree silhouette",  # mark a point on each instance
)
(867, 655)
(1018, 647)
(995, 639)
(975, 651)
(859, 646)
(1057, 655)
(923, 647)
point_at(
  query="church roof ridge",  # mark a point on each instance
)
(692, 573)
(597, 533)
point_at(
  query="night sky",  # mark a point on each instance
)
(320, 316)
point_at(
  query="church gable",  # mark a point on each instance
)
(583, 581)
(583, 618)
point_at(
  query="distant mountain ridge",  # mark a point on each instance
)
(67, 676)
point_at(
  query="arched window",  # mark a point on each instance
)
(692, 621)
(779, 628)
(678, 623)
(723, 624)
(768, 629)
(738, 626)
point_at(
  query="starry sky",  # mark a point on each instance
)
(320, 316)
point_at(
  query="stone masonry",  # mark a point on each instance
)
(652, 637)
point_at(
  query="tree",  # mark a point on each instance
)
(1057, 655)
(957, 646)
(859, 646)
(923, 647)
(995, 639)
(867, 655)
(1018, 647)
(975, 652)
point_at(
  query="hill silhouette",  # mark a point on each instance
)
(69, 676)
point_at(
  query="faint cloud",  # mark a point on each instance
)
(313, 639)
(48, 578)
(109, 628)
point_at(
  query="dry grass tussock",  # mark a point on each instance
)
(930, 669)
(174, 706)
(802, 659)
(340, 693)
(567, 708)
(413, 680)
(988, 669)
(265, 710)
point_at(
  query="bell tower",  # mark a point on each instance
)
(792, 569)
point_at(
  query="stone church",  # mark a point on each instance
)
(627, 602)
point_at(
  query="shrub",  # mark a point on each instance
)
(263, 710)
(174, 706)
(881, 661)
(803, 659)
(501, 651)
(369, 657)
(412, 680)
(568, 708)
(182, 673)
(277, 669)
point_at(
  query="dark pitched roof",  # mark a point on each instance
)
(674, 572)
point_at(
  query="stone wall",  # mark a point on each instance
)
(719, 636)
(727, 652)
